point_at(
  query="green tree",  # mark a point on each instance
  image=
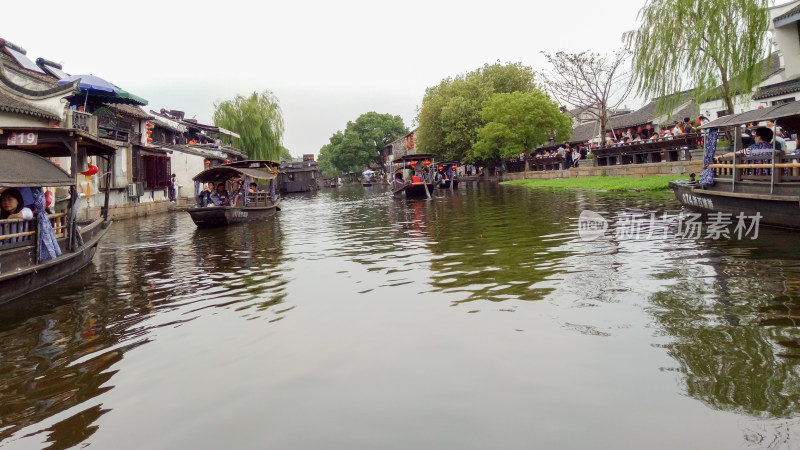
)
(285, 153)
(451, 111)
(518, 122)
(257, 118)
(716, 46)
(362, 142)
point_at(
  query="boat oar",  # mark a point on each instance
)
(425, 183)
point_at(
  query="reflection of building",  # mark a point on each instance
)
(300, 175)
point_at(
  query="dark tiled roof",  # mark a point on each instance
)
(584, 132)
(787, 14)
(785, 87)
(771, 65)
(128, 110)
(641, 116)
(18, 106)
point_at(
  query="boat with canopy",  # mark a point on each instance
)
(763, 184)
(417, 175)
(240, 200)
(447, 174)
(55, 243)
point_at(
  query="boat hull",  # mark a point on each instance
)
(776, 210)
(26, 278)
(215, 216)
(445, 184)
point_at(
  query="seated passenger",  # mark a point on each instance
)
(204, 199)
(11, 206)
(221, 197)
(254, 189)
(398, 181)
(762, 147)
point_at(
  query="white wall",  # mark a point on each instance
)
(186, 166)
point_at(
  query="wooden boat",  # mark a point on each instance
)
(23, 268)
(766, 186)
(249, 206)
(419, 186)
(447, 174)
(298, 176)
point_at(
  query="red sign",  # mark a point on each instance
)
(23, 138)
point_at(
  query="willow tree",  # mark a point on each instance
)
(714, 46)
(257, 118)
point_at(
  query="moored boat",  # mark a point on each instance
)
(238, 200)
(763, 184)
(52, 246)
(447, 174)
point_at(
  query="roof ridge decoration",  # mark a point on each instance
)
(30, 94)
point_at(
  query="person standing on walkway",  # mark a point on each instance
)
(173, 188)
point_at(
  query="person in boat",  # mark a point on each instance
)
(12, 207)
(398, 181)
(204, 199)
(221, 196)
(762, 147)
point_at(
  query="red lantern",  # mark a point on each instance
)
(273, 172)
(630, 130)
(208, 163)
(91, 170)
(649, 126)
(453, 167)
(227, 161)
(56, 163)
(640, 129)
(149, 132)
(149, 125)
(412, 163)
(149, 139)
(441, 168)
(427, 163)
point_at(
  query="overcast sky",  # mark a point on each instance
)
(327, 62)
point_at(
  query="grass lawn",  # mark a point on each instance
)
(654, 183)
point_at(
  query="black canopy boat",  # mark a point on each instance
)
(39, 252)
(447, 174)
(419, 182)
(764, 186)
(244, 206)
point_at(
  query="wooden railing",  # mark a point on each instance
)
(260, 199)
(547, 163)
(787, 168)
(641, 152)
(18, 232)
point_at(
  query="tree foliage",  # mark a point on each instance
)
(518, 122)
(714, 46)
(450, 114)
(361, 143)
(590, 81)
(257, 118)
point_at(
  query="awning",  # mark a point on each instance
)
(787, 114)
(414, 157)
(53, 142)
(123, 97)
(223, 173)
(23, 169)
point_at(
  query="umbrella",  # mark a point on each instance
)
(91, 83)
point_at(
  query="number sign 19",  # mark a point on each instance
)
(23, 138)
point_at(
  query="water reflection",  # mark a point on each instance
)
(58, 349)
(350, 295)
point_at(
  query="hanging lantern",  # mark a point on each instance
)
(441, 168)
(227, 161)
(649, 126)
(208, 163)
(56, 163)
(149, 125)
(640, 129)
(630, 130)
(412, 163)
(149, 139)
(427, 163)
(453, 167)
(149, 132)
(273, 172)
(91, 170)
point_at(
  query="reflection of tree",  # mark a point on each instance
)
(58, 348)
(492, 246)
(736, 341)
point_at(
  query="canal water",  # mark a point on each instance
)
(485, 318)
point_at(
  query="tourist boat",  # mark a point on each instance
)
(298, 176)
(447, 174)
(765, 186)
(29, 259)
(416, 186)
(248, 206)
(366, 179)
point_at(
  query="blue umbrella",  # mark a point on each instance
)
(91, 83)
